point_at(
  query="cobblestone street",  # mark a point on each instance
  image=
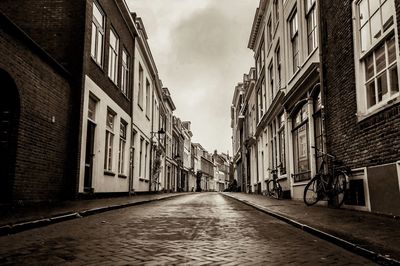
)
(196, 229)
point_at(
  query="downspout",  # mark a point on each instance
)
(321, 76)
(151, 135)
(131, 155)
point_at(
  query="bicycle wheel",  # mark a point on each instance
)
(311, 191)
(279, 190)
(270, 187)
(339, 189)
(273, 191)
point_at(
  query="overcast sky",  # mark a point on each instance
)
(200, 48)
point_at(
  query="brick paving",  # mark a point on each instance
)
(19, 214)
(377, 233)
(195, 229)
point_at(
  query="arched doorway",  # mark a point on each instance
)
(9, 116)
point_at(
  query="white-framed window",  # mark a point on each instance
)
(311, 18)
(121, 150)
(376, 54)
(374, 19)
(113, 56)
(147, 98)
(92, 108)
(271, 82)
(140, 87)
(294, 41)
(278, 63)
(145, 159)
(269, 32)
(301, 156)
(141, 156)
(125, 72)
(282, 146)
(97, 42)
(260, 105)
(273, 146)
(108, 157)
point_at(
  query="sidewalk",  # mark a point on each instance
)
(374, 236)
(17, 219)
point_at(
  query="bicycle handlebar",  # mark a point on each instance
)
(323, 153)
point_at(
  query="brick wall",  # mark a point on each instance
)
(373, 141)
(117, 21)
(42, 146)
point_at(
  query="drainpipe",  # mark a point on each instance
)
(131, 155)
(151, 135)
(321, 76)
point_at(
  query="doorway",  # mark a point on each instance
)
(9, 117)
(91, 127)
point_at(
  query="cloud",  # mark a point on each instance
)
(200, 48)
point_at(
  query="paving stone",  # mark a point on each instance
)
(196, 229)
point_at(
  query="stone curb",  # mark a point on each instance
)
(369, 254)
(19, 227)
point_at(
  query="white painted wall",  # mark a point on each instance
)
(100, 181)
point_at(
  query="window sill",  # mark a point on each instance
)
(122, 176)
(108, 173)
(97, 64)
(389, 103)
(143, 180)
(148, 118)
(140, 107)
(113, 82)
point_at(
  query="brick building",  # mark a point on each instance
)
(326, 77)
(36, 109)
(362, 98)
(94, 41)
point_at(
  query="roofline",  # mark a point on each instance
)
(256, 23)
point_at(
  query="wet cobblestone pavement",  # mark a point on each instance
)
(197, 229)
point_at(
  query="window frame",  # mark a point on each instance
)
(122, 147)
(361, 57)
(294, 38)
(113, 56)
(109, 141)
(97, 56)
(125, 72)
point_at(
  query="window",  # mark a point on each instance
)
(375, 17)
(125, 73)
(121, 151)
(140, 87)
(97, 34)
(109, 140)
(271, 81)
(113, 57)
(311, 19)
(147, 98)
(282, 150)
(278, 68)
(274, 157)
(294, 40)
(300, 145)
(379, 55)
(381, 76)
(141, 156)
(318, 129)
(269, 32)
(145, 160)
(92, 108)
(276, 13)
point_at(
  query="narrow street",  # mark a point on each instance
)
(205, 228)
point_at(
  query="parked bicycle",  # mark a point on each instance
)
(331, 185)
(274, 189)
